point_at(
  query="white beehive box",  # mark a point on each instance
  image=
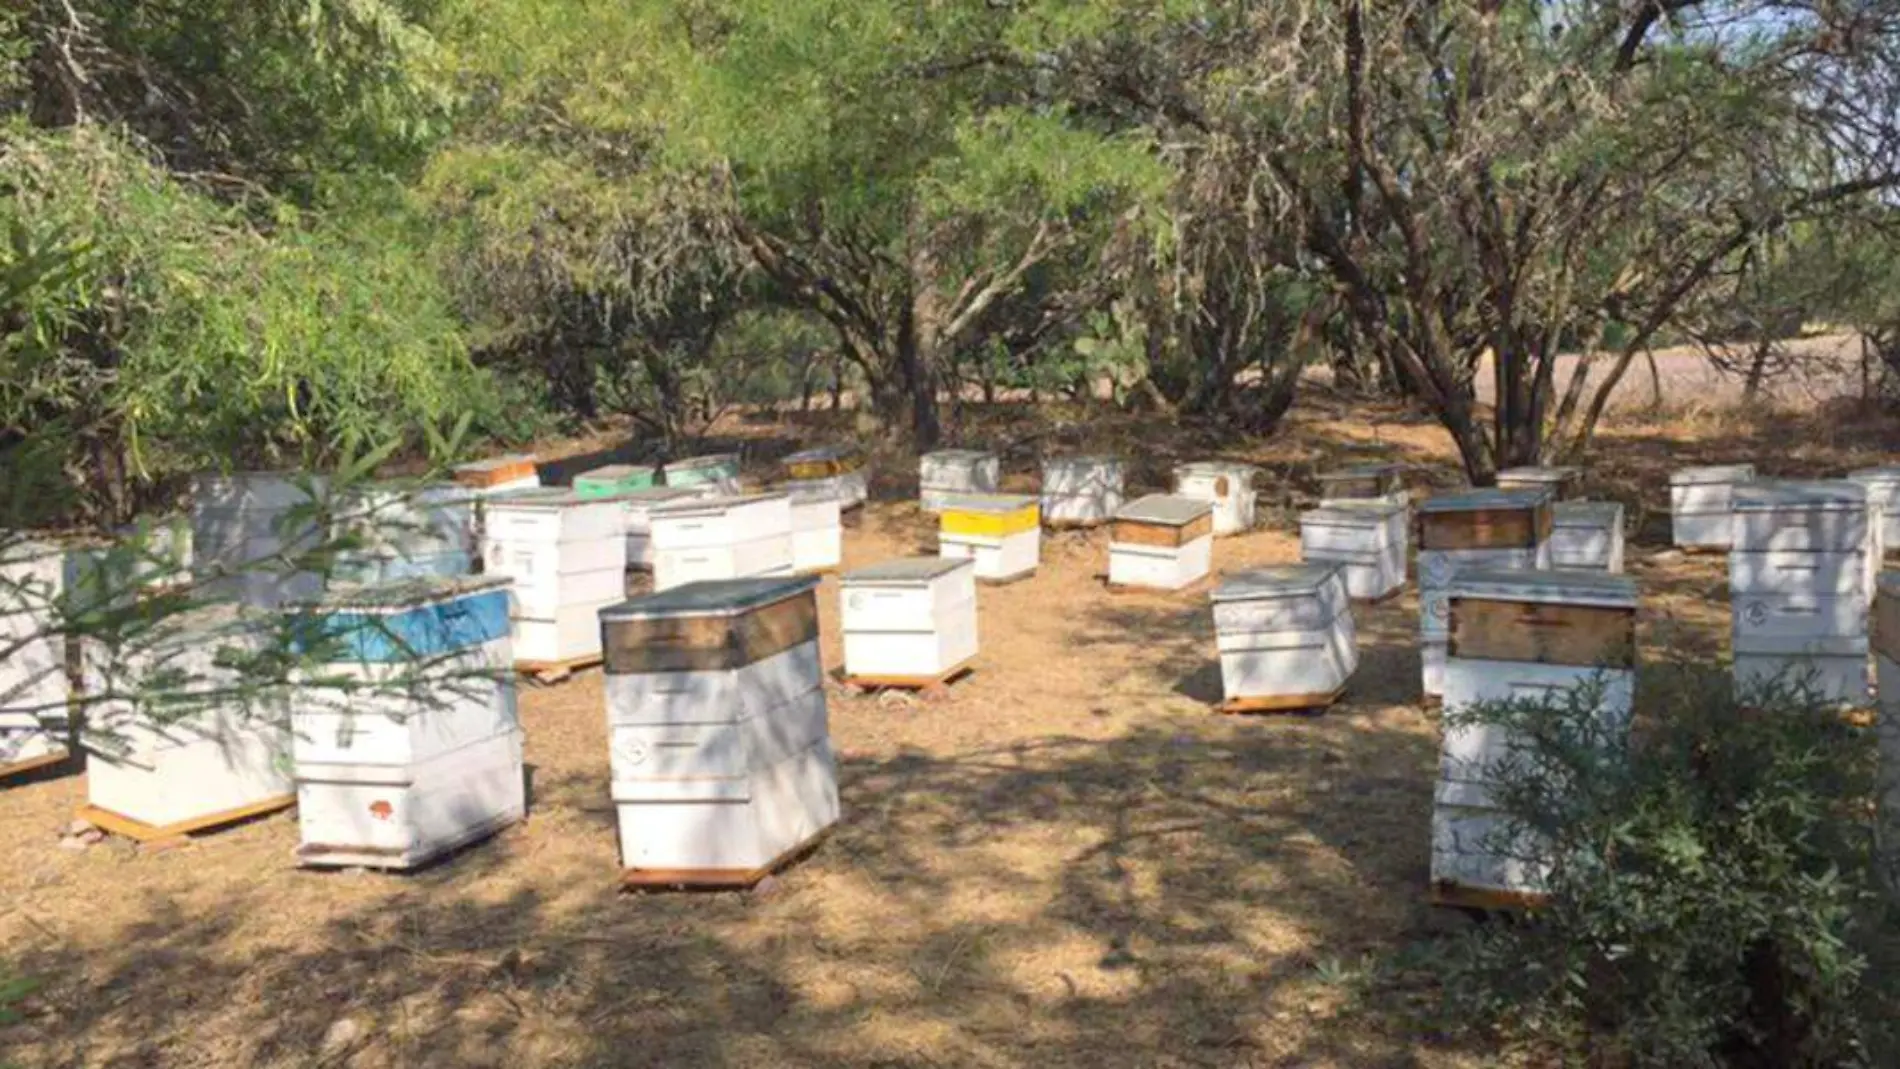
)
(177, 732)
(1519, 636)
(1883, 497)
(567, 556)
(1161, 542)
(247, 532)
(405, 532)
(637, 510)
(1561, 483)
(1802, 567)
(498, 475)
(1285, 636)
(1002, 533)
(817, 530)
(1489, 529)
(1366, 539)
(406, 742)
(909, 620)
(1886, 644)
(1361, 482)
(836, 469)
(720, 753)
(1227, 485)
(722, 538)
(1701, 500)
(34, 689)
(956, 473)
(1587, 536)
(1080, 491)
(712, 475)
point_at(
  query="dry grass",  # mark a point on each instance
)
(1071, 862)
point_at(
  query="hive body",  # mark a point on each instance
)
(248, 529)
(950, 473)
(1883, 497)
(1478, 529)
(722, 538)
(1080, 491)
(34, 689)
(405, 532)
(817, 529)
(1002, 533)
(1162, 542)
(910, 619)
(836, 470)
(1701, 504)
(567, 557)
(615, 479)
(1285, 634)
(1226, 485)
(1563, 484)
(637, 514)
(715, 474)
(1366, 539)
(1587, 536)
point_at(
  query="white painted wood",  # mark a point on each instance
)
(1805, 516)
(572, 633)
(1587, 536)
(914, 598)
(1476, 848)
(1793, 616)
(921, 654)
(241, 525)
(721, 697)
(1797, 573)
(553, 516)
(397, 715)
(34, 689)
(404, 816)
(784, 806)
(1883, 497)
(817, 532)
(1160, 567)
(1081, 490)
(1366, 539)
(1433, 653)
(997, 559)
(715, 761)
(1468, 750)
(949, 473)
(721, 521)
(770, 555)
(1285, 631)
(1701, 504)
(637, 516)
(1833, 676)
(567, 556)
(1227, 485)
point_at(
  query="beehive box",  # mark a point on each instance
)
(1080, 491)
(1519, 636)
(1883, 497)
(1002, 533)
(637, 511)
(817, 530)
(567, 556)
(615, 479)
(1366, 539)
(499, 475)
(712, 474)
(1562, 483)
(1701, 500)
(400, 532)
(950, 473)
(1887, 724)
(1286, 637)
(1802, 572)
(837, 469)
(34, 688)
(406, 743)
(1474, 529)
(1161, 542)
(249, 533)
(178, 735)
(909, 621)
(738, 537)
(1360, 482)
(1227, 485)
(720, 755)
(1587, 536)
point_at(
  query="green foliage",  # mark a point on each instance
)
(1714, 898)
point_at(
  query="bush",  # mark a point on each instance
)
(1714, 898)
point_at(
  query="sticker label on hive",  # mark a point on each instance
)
(381, 810)
(631, 752)
(1756, 613)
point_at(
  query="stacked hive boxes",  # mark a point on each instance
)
(1285, 636)
(911, 620)
(720, 754)
(1887, 686)
(406, 743)
(1801, 576)
(722, 538)
(250, 535)
(614, 479)
(188, 723)
(817, 528)
(1701, 500)
(1228, 486)
(1080, 491)
(637, 512)
(1519, 636)
(1002, 533)
(1883, 497)
(1562, 484)
(1162, 542)
(405, 532)
(1488, 529)
(950, 473)
(1366, 539)
(567, 556)
(160, 553)
(498, 475)
(1370, 482)
(1587, 536)
(836, 470)
(715, 474)
(34, 690)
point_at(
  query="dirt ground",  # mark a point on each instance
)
(1070, 862)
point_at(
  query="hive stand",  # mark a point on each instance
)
(33, 764)
(1287, 704)
(929, 688)
(718, 879)
(140, 832)
(1483, 901)
(548, 673)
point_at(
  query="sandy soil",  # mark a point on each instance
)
(1070, 862)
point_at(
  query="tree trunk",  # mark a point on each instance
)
(1757, 371)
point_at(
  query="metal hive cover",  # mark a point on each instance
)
(1566, 588)
(709, 505)
(1165, 509)
(990, 503)
(1536, 474)
(711, 597)
(1587, 514)
(907, 570)
(1276, 581)
(1712, 475)
(1819, 495)
(403, 593)
(1473, 500)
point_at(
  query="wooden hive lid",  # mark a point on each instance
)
(906, 571)
(1712, 475)
(1164, 510)
(495, 470)
(1545, 588)
(711, 597)
(1793, 495)
(1278, 581)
